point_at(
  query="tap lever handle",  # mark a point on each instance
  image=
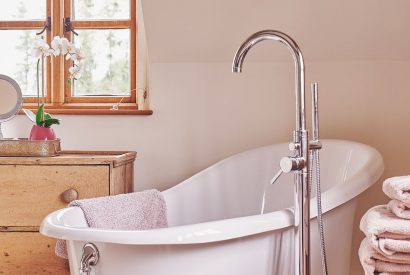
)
(288, 164)
(275, 177)
(292, 164)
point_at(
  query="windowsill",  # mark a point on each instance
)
(89, 109)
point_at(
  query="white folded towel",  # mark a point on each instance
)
(400, 209)
(375, 263)
(386, 233)
(398, 188)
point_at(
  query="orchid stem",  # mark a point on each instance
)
(38, 83)
(42, 85)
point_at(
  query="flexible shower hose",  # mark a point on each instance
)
(314, 159)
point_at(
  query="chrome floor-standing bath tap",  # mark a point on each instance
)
(299, 163)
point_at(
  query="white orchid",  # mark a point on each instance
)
(78, 55)
(40, 48)
(60, 45)
(75, 71)
(70, 46)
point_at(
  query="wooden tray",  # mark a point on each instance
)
(22, 147)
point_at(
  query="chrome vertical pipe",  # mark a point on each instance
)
(302, 229)
(299, 164)
(315, 112)
(315, 146)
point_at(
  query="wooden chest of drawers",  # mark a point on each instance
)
(30, 188)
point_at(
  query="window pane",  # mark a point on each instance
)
(23, 10)
(106, 66)
(101, 9)
(16, 59)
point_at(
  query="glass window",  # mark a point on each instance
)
(100, 9)
(106, 70)
(106, 36)
(16, 60)
(23, 10)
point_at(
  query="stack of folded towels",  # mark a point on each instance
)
(386, 248)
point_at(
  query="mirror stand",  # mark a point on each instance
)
(11, 99)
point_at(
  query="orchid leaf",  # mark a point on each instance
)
(30, 115)
(47, 116)
(50, 121)
(39, 115)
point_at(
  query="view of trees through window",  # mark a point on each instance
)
(106, 67)
(16, 60)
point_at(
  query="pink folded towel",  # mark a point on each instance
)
(398, 188)
(375, 263)
(400, 209)
(134, 211)
(386, 233)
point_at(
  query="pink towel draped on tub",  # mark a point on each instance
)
(134, 211)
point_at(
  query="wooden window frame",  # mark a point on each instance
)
(58, 99)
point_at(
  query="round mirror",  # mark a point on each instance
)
(10, 99)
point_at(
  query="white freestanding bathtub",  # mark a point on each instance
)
(215, 222)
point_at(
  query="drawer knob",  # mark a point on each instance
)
(69, 195)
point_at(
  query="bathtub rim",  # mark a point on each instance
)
(213, 231)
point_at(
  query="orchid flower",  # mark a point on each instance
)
(75, 71)
(40, 48)
(60, 45)
(70, 47)
(77, 55)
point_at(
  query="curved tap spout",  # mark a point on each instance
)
(299, 66)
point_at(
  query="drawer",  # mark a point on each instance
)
(28, 192)
(29, 253)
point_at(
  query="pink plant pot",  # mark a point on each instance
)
(42, 133)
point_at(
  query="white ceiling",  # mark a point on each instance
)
(211, 30)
